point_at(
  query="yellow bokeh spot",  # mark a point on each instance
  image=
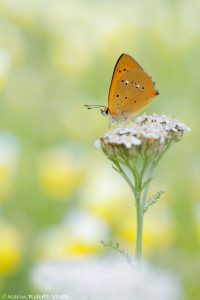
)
(59, 175)
(10, 250)
(111, 210)
(59, 244)
(156, 235)
(81, 248)
(5, 181)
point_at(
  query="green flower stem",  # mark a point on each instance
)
(146, 188)
(139, 232)
(140, 191)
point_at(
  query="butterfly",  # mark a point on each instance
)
(131, 90)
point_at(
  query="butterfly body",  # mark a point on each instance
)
(131, 90)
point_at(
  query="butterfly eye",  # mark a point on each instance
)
(105, 111)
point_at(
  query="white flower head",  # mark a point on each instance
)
(148, 133)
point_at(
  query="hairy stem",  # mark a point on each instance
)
(146, 188)
(139, 232)
(140, 194)
(140, 198)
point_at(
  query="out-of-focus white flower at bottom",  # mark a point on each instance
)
(107, 278)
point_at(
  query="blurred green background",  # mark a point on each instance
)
(58, 194)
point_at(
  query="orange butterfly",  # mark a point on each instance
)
(131, 90)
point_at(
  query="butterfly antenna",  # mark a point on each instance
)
(91, 106)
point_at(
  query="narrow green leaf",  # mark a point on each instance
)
(117, 248)
(153, 199)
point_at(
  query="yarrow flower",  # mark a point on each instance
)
(152, 133)
(138, 147)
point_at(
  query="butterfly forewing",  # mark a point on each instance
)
(131, 88)
(124, 63)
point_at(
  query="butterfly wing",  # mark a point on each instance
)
(124, 63)
(131, 88)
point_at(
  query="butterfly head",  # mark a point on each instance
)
(105, 111)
